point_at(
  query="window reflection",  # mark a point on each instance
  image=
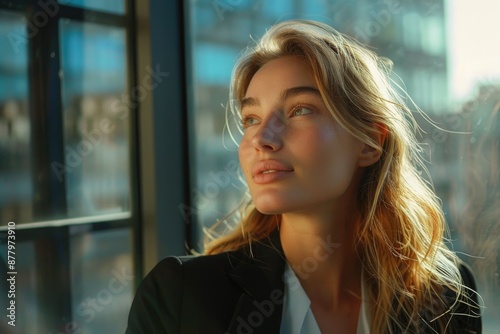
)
(95, 118)
(16, 189)
(474, 203)
(50, 287)
(112, 6)
(101, 279)
(444, 55)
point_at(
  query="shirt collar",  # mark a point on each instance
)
(296, 305)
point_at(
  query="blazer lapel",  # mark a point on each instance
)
(260, 276)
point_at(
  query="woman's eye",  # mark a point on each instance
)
(299, 111)
(248, 121)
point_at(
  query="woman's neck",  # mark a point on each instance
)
(320, 249)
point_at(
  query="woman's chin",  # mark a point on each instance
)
(270, 208)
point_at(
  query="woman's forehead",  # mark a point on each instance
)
(279, 75)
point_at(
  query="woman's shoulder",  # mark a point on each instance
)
(467, 276)
(259, 254)
(177, 284)
(462, 308)
(196, 264)
(468, 309)
(178, 269)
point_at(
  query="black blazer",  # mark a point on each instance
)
(232, 292)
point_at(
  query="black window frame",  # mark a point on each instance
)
(50, 229)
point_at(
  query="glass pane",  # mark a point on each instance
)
(102, 279)
(96, 123)
(445, 54)
(16, 190)
(112, 6)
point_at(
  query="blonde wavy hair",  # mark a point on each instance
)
(401, 226)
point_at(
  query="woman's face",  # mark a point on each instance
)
(295, 157)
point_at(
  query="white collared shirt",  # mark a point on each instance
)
(297, 314)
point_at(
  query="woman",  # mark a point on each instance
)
(342, 235)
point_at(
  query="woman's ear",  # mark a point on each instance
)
(370, 155)
(381, 133)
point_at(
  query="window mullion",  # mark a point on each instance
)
(47, 122)
(49, 202)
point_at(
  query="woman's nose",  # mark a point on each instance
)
(269, 135)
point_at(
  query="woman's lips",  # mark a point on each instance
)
(268, 171)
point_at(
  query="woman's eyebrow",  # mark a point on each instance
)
(286, 94)
(249, 102)
(294, 91)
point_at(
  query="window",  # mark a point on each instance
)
(448, 66)
(15, 142)
(94, 68)
(67, 172)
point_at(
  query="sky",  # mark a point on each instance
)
(473, 45)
